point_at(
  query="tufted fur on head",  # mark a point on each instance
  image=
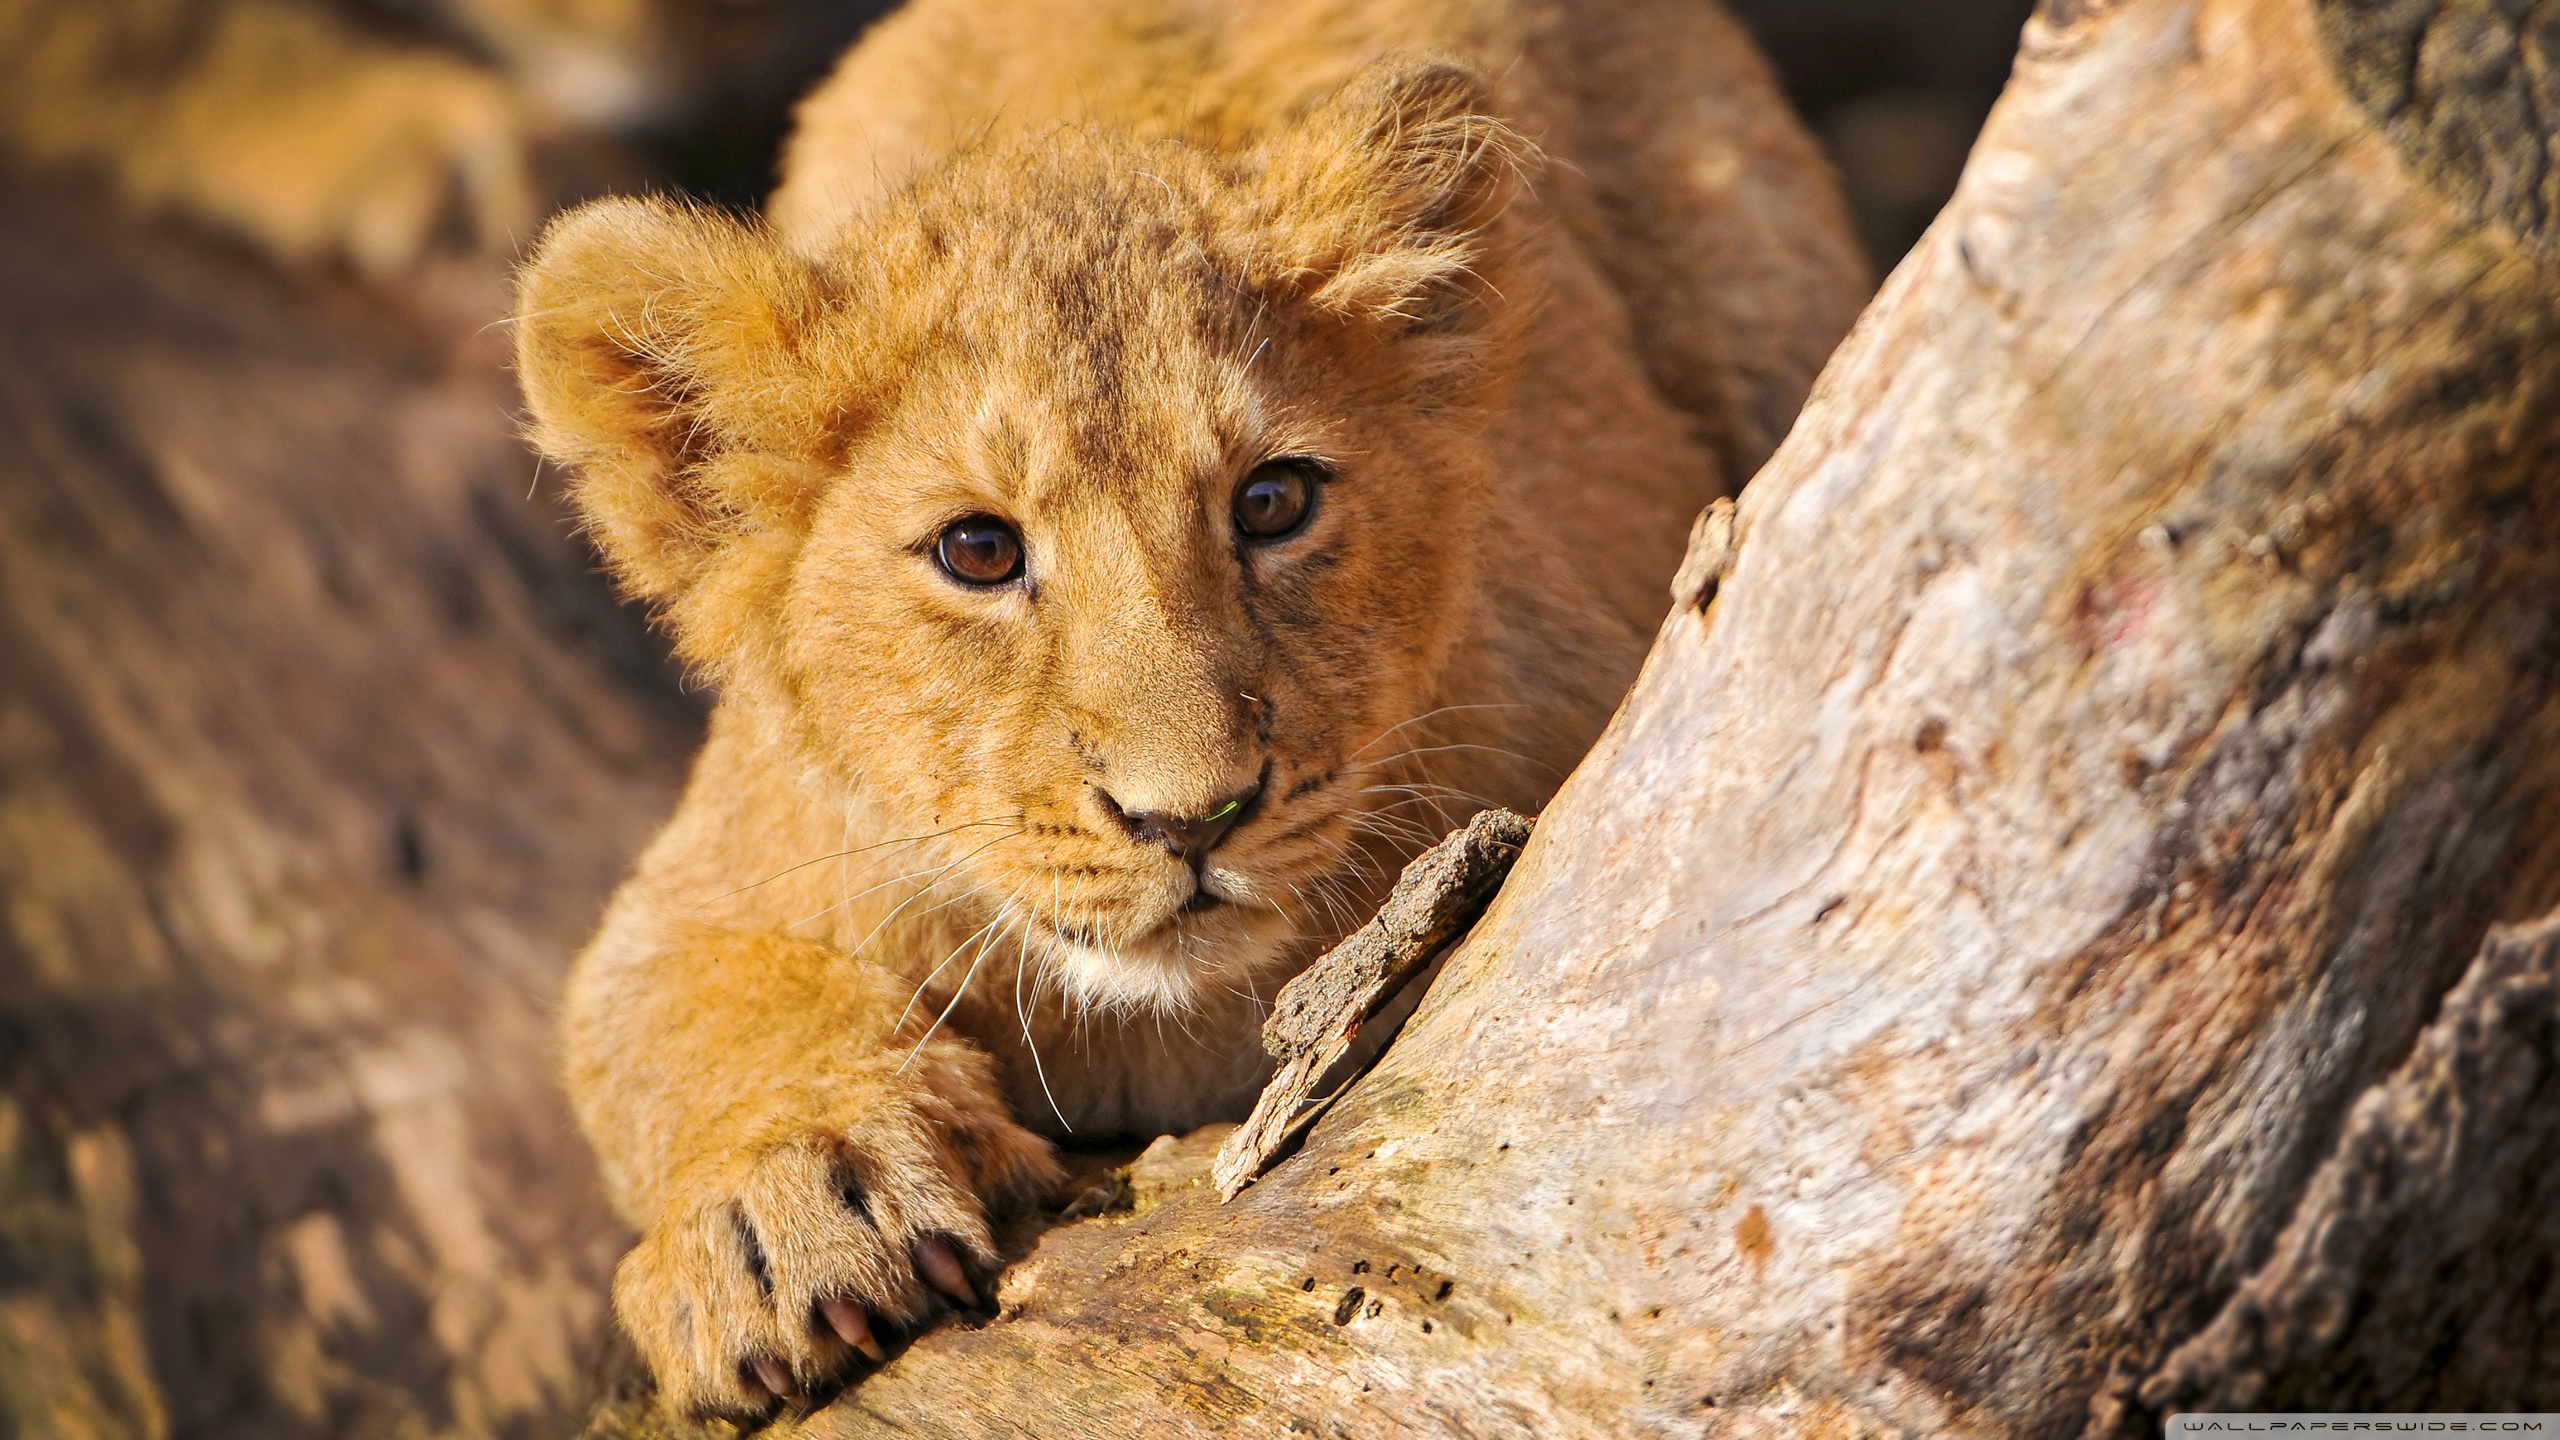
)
(1092, 336)
(702, 380)
(1385, 197)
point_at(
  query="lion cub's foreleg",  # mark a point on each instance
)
(801, 1170)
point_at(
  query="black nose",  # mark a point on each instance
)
(1189, 837)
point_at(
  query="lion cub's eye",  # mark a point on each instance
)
(1276, 499)
(979, 550)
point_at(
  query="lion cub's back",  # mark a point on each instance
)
(940, 73)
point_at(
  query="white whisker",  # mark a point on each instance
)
(875, 930)
(983, 947)
(1033, 1046)
(1506, 753)
(856, 850)
(1432, 714)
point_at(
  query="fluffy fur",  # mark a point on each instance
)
(315, 131)
(1083, 268)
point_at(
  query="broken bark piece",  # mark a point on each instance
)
(1710, 557)
(1319, 1014)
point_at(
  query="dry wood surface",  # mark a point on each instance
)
(1316, 1017)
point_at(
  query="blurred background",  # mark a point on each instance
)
(374, 134)
(321, 739)
(1896, 89)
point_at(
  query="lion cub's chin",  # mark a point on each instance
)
(1187, 964)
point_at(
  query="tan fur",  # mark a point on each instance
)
(308, 133)
(1083, 267)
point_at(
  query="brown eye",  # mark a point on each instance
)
(1276, 499)
(979, 550)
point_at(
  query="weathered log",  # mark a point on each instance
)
(2129, 701)
(2417, 1272)
(1316, 1017)
(320, 744)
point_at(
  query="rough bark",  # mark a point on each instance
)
(1316, 1017)
(319, 747)
(2417, 1273)
(1981, 982)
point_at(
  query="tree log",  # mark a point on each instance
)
(320, 745)
(2416, 1274)
(1981, 983)
(1317, 1017)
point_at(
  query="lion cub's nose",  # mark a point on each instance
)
(1189, 837)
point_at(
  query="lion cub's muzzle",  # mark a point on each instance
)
(1189, 838)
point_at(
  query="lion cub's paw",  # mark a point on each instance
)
(363, 165)
(771, 1267)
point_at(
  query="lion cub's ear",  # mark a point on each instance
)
(666, 352)
(1382, 203)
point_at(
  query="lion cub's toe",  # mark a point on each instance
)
(773, 1273)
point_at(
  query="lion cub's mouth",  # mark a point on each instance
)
(1211, 939)
(1183, 926)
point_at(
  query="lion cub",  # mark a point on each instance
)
(1161, 465)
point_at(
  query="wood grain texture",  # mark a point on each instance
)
(2417, 1271)
(2467, 89)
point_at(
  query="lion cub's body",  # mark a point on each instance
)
(1081, 268)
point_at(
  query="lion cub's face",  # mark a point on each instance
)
(1101, 508)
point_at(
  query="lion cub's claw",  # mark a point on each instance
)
(772, 1374)
(941, 1268)
(852, 1326)
(768, 1277)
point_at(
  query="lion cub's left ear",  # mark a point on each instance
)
(668, 354)
(1383, 203)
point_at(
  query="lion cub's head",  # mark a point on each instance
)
(1103, 504)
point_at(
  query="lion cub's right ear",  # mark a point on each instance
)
(668, 354)
(1383, 201)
